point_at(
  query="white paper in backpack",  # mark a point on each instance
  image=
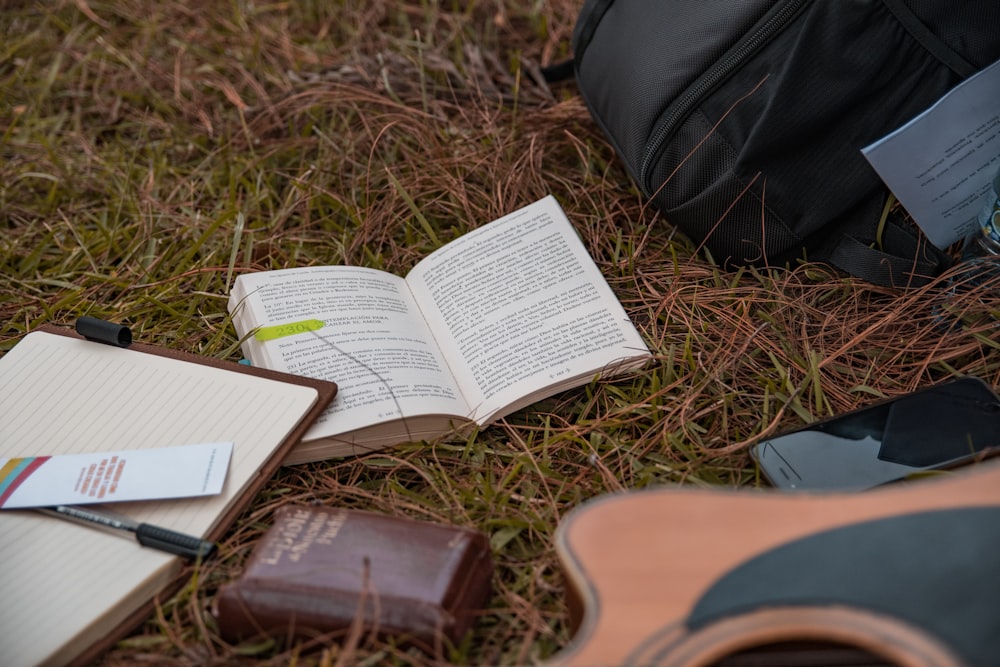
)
(106, 477)
(940, 163)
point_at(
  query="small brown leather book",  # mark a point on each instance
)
(319, 570)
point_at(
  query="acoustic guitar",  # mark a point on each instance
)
(907, 574)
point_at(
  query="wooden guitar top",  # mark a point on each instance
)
(641, 567)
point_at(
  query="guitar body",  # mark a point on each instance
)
(907, 574)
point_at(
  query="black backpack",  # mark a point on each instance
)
(742, 120)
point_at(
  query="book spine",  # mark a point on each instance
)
(243, 612)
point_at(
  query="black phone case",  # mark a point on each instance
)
(943, 426)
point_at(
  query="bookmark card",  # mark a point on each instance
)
(141, 474)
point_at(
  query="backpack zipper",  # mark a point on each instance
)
(710, 79)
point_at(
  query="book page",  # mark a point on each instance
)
(940, 164)
(368, 337)
(522, 307)
(66, 585)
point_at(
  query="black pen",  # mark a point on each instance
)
(147, 535)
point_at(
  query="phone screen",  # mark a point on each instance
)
(938, 427)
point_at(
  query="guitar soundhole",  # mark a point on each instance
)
(803, 653)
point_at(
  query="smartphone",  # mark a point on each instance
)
(943, 426)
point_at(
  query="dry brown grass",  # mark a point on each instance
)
(135, 134)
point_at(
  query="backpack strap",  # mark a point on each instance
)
(590, 16)
(900, 257)
(557, 72)
(927, 39)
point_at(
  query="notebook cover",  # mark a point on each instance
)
(326, 393)
(318, 569)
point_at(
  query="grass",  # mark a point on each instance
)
(152, 151)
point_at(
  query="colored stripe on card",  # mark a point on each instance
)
(15, 471)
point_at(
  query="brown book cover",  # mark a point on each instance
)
(320, 569)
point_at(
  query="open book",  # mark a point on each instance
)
(70, 590)
(499, 318)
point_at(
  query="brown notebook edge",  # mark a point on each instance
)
(326, 391)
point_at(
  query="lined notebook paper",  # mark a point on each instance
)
(64, 586)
